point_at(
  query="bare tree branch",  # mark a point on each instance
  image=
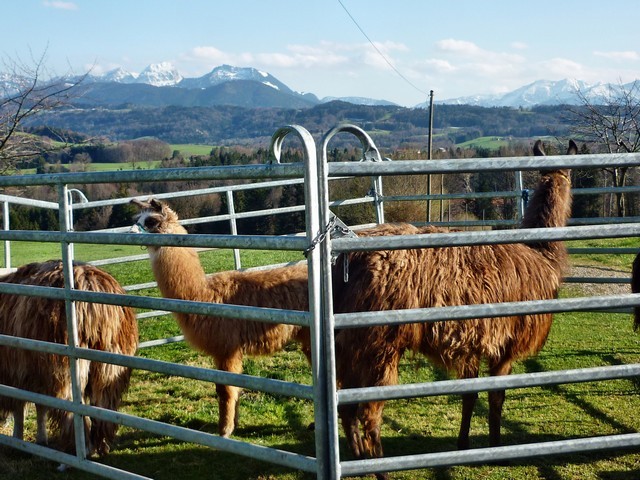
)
(611, 122)
(26, 90)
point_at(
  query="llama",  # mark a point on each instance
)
(635, 288)
(111, 328)
(448, 276)
(180, 275)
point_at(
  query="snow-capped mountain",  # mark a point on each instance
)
(118, 75)
(9, 85)
(160, 75)
(542, 92)
(229, 73)
(359, 101)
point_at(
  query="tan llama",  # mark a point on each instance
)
(180, 275)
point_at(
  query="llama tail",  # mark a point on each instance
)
(62, 420)
(108, 382)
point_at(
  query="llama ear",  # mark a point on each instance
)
(538, 150)
(139, 203)
(573, 148)
(156, 204)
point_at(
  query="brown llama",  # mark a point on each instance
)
(635, 288)
(110, 328)
(180, 275)
(448, 276)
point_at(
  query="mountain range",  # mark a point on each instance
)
(161, 85)
(545, 92)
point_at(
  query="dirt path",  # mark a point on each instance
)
(592, 289)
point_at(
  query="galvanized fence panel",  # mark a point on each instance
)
(360, 319)
(316, 173)
(66, 237)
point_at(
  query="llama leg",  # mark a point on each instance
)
(228, 395)
(371, 418)
(227, 403)
(496, 401)
(349, 418)
(468, 403)
(18, 421)
(41, 415)
(370, 415)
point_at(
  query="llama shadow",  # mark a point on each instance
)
(162, 457)
(514, 432)
(548, 467)
(534, 365)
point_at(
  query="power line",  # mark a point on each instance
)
(379, 52)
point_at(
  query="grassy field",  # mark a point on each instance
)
(108, 167)
(188, 149)
(185, 149)
(411, 426)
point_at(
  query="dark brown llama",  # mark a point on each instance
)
(635, 288)
(180, 275)
(448, 276)
(110, 328)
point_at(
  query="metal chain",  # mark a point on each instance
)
(321, 236)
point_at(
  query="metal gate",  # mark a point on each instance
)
(320, 248)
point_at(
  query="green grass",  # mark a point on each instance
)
(608, 260)
(491, 143)
(107, 167)
(188, 149)
(411, 426)
(113, 167)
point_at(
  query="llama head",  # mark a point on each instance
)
(155, 217)
(538, 151)
(550, 204)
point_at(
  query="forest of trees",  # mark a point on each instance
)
(227, 125)
(487, 209)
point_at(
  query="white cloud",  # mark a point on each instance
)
(623, 56)
(60, 5)
(209, 54)
(519, 46)
(561, 68)
(438, 66)
(325, 55)
(464, 51)
(458, 47)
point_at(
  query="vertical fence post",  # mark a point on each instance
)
(325, 398)
(6, 226)
(378, 198)
(234, 227)
(333, 469)
(520, 204)
(75, 364)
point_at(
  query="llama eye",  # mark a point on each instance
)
(151, 223)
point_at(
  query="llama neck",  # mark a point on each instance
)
(178, 272)
(551, 202)
(550, 207)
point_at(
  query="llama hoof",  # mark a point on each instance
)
(63, 468)
(311, 427)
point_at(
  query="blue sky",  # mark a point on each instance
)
(456, 48)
